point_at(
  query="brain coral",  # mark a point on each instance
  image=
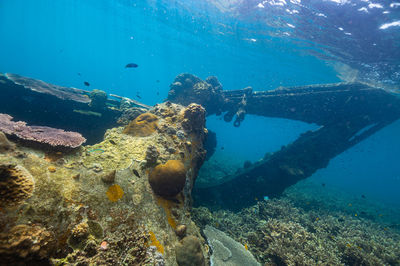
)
(142, 126)
(168, 179)
(16, 185)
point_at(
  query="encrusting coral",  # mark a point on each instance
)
(142, 126)
(16, 185)
(168, 179)
(26, 245)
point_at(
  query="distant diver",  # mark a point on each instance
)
(131, 65)
(86, 83)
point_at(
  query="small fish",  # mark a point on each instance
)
(86, 83)
(158, 93)
(96, 150)
(363, 196)
(222, 148)
(158, 81)
(323, 184)
(138, 96)
(131, 65)
(79, 74)
(136, 172)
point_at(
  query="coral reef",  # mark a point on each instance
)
(168, 179)
(304, 230)
(142, 126)
(39, 134)
(16, 185)
(188, 252)
(26, 245)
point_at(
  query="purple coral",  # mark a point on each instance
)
(40, 134)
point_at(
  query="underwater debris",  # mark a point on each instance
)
(16, 185)
(168, 179)
(114, 193)
(40, 134)
(5, 144)
(188, 252)
(142, 126)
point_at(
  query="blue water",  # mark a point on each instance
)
(263, 44)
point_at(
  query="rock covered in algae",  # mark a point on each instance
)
(194, 118)
(98, 99)
(5, 145)
(188, 252)
(16, 185)
(142, 126)
(26, 244)
(151, 155)
(168, 179)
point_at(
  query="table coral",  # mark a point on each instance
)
(16, 185)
